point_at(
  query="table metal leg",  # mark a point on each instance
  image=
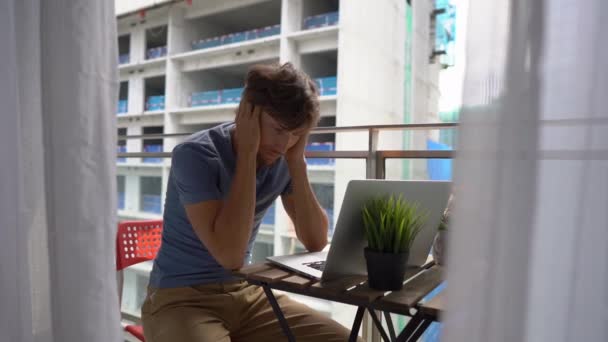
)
(410, 328)
(379, 325)
(389, 324)
(421, 329)
(354, 332)
(279, 313)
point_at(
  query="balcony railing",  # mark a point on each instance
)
(375, 159)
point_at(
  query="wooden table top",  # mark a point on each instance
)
(352, 290)
(435, 306)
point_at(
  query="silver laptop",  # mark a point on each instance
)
(345, 256)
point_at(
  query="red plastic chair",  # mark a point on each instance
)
(136, 241)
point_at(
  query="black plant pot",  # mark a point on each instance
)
(385, 271)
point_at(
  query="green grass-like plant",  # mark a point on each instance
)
(391, 224)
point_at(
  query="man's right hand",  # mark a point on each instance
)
(248, 128)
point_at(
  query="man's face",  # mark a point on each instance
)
(275, 140)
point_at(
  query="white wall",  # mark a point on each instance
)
(425, 79)
(371, 57)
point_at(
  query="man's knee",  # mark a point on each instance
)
(310, 325)
(181, 324)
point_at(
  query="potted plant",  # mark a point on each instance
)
(391, 225)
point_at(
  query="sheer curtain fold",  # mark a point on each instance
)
(528, 254)
(58, 88)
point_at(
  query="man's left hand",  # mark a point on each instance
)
(295, 154)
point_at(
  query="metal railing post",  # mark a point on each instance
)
(372, 167)
(372, 151)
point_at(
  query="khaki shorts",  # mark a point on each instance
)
(233, 311)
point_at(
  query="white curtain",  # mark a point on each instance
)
(528, 251)
(58, 89)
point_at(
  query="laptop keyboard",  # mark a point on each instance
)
(317, 265)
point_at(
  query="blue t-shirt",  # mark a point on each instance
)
(202, 168)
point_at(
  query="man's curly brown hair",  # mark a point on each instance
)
(287, 94)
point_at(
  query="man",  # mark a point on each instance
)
(221, 183)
